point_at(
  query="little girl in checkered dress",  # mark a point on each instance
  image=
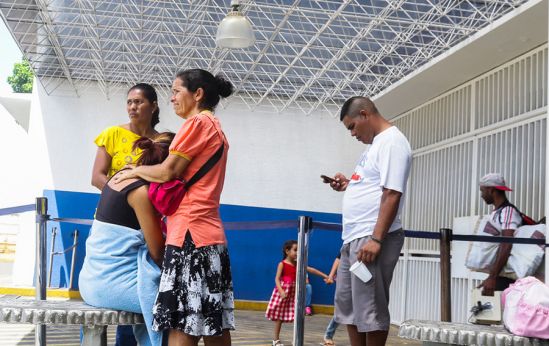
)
(281, 307)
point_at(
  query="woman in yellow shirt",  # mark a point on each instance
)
(114, 144)
(114, 151)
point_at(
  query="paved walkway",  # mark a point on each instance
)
(252, 330)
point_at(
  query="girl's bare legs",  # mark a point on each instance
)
(278, 326)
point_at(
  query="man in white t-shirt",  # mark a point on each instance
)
(372, 230)
(505, 219)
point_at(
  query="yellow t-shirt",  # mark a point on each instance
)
(118, 143)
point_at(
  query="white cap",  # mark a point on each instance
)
(494, 180)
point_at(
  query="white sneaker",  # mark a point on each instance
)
(277, 343)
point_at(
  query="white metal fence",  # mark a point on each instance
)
(493, 123)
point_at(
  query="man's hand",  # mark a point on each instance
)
(340, 183)
(488, 286)
(368, 253)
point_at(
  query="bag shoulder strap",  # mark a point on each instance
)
(206, 167)
(210, 163)
(505, 205)
(526, 220)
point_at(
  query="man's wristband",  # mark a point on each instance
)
(379, 241)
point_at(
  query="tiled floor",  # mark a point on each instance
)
(252, 329)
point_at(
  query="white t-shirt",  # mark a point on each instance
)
(504, 218)
(384, 164)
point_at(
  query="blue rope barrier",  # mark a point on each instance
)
(492, 239)
(243, 225)
(85, 222)
(18, 209)
(328, 226)
(259, 225)
(265, 225)
(436, 235)
(421, 234)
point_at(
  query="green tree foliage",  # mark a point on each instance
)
(21, 80)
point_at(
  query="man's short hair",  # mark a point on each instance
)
(355, 104)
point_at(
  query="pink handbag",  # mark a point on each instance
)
(526, 308)
(166, 197)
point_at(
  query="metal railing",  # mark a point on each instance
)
(54, 253)
(304, 225)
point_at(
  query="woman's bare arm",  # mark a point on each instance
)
(171, 168)
(149, 222)
(101, 167)
(277, 280)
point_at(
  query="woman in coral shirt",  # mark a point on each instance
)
(195, 298)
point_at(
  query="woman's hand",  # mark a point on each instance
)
(283, 294)
(124, 174)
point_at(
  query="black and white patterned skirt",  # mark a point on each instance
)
(196, 290)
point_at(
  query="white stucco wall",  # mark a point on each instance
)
(275, 160)
(22, 178)
(18, 165)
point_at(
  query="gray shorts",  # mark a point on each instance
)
(366, 305)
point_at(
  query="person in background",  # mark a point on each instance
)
(332, 325)
(115, 150)
(505, 218)
(281, 306)
(308, 297)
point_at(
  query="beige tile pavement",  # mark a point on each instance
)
(253, 329)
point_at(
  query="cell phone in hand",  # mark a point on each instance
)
(327, 179)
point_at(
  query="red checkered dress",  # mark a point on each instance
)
(283, 309)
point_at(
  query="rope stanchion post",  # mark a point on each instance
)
(546, 260)
(52, 253)
(445, 275)
(73, 259)
(305, 226)
(40, 264)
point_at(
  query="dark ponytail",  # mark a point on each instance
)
(150, 94)
(214, 88)
(155, 117)
(224, 87)
(154, 150)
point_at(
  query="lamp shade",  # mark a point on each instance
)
(235, 31)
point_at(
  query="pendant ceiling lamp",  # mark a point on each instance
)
(235, 30)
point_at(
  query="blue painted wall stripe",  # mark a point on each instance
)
(254, 253)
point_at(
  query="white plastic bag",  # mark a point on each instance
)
(524, 259)
(481, 255)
